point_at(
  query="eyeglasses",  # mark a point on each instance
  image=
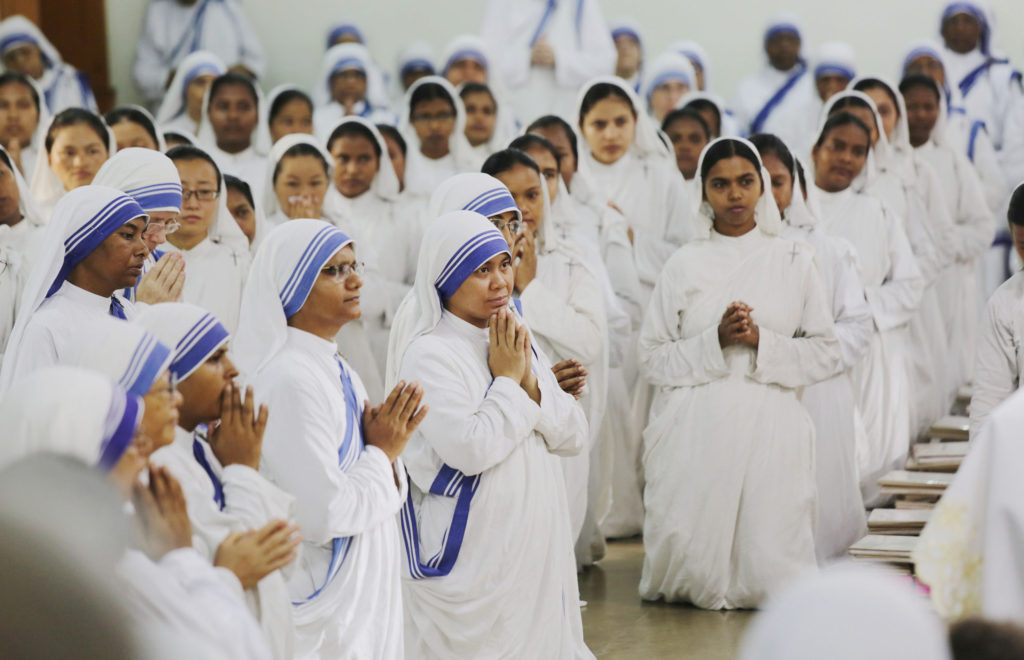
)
(166, 228)
(344, 270)
(513, 225)
(440, 118)
(201, 195)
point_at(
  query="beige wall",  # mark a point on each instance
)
(293, 30)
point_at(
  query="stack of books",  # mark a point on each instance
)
(905, 482)
(898, 522)
(938, 456)
(885, 548)
(950, 427)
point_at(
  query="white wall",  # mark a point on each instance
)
(293, 30)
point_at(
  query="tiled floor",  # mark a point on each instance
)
(619, 626)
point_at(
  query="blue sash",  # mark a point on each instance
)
(758, 123)
(548, 11)
(971, 78)
(448, 483)
(200, 455)
(129, 293)
(977, 127)
(117, 309)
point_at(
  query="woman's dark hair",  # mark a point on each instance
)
(802, 176)
(286, 97)
(531, 140)
(686, 113)
(476, 88)
(6, 158)
(1015, 213)
(300, 149)
(554, 121)
(389, 131)
(920, 80)
(234, 183)
(189, 152)
(133, 115)
(73, 117)
(839, 119)
(705, 105)
(9, 78)
(506, 159)
(874, 83)
(353, 129)
(767, 143)
(600, 92)
(232, 78)
(175, 136)
(728, 149)
(430, 91)
(847, 102)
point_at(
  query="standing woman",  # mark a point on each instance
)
(347, 85)
(689, 134)
(26, 50)
(182, 107)
(76, 146)
(23, 120)
(737, 323)
(485, 477)
(233, 111)
(434, 125)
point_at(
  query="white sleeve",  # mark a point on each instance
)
(252, 51)
(148, 71)
(975, 224)
(894, 302)
(562, 422)
(574, 325)
(252, 500)
(995, 368)
(595, 55)
(513, 63)
(653, 251)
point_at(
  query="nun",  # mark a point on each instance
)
(485, 475)
(77, 144)
(326, 444)
(215, 456)
(668, 79)
(91, 249)
(548, 49)
(134, 126)
(182, 107)
(699, 59)
(893, 285)
(172, 30)
(26, 50)
(347, 32)
(296, 181)
(629, 51)
(231, 128)
(835, 65)
(348, 84)
(23, 120)
(415, 61)
(839, 511)
(152, 180)
(467, 60)
(215, 250)
(689, 133)
(433, 124)
(738, 322)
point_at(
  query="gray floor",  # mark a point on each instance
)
(618, 625)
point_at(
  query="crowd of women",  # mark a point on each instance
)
(377, 375)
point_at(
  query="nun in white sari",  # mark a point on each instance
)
(489, 568)
(176, 113)
(58, 296)
(62, 84)
(249, 163)
(346, 587)
(729, 450)
(329, 110)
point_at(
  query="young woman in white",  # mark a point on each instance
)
(230, 128)
(24, 120)
(182, 107)
(77, 144)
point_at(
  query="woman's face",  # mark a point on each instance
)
(129, 134)
(301, 177)
(116, 263)
(665, 96)
(233, 115)
(629, 54)
(830, 84)
(348, 87)
(560, 140)
(160, 417)
(334, 299)
(156, 230)
(548, 169)
(201, 391)
(434, 121)
(197, 215)
(481, 116)
(526, 187)
(782, 180)
(397, 159)
(929, 66)
(840, 158)
(866, 116)
(77, 154)
(961, 32)
(466, 70)
(484, 292)
(887, 110)
(10, 196)
(194, 93)
(732, 188)
(609, 129)
(355, 164)
(26, 59)
(922, 113)
(19, 116)
(243, 213)
(296, 116)
(688, 140)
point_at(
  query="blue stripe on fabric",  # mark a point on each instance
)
(833, 69)
(144, 366)
(667, 76)
(199, 453)
(492, 202)
(473, 260)
(778, 28)
(919, 52)
(967, 83)
(549, 9)
(158, 195)
(123, 418)
(347, 63)
(471, 53)
(296, 289)
(417, 63)
(17, 38)
(448, 483)
(198, 344)
(625, 32)
(341, 31)
(775, 100)
(976, 128)
(459, 256)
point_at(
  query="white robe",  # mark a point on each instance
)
(214, 277)
(754, 92)
(992, 97)
(729, 451)
(839, 515)
(423, 175)
(248, 165)
(11, 280)
(512, 592)
(168, 37)
(358, 614)
(1000, 351)
(893, 285)
(250, 502)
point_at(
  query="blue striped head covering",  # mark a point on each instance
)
(472, 191)
(979, 12)
(148, 176)
(125, 352)
(467, 46)
(836, 58)
(342, 29)
(193, 333)
(476, 250)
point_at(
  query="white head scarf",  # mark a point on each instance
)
(646, 144)
(195, 64)
(161, 143)
(81, 221)
(30, 211)
(766, 212)
(727, 125)
(665, 67)
(17, 31)
(69, 411)
(466, 46)
(901, 152)
(124, 352)
(954, 99)
(694, 52)
(880, 155)
(284, 270)
(191, 333)
(148, 176)
(629, 27)
(340, 29)
(266, 137)
(465, 159)
(259, 141)
(270, 203)
(800, 212)
(385, 183)
(344, 57)
(843, 613)
(416, 55)
(783, 21)
(454, 245)
(224, 230)
(46, 187)
(835, 57)
(505, 126)
(39, 135)
(940, 132)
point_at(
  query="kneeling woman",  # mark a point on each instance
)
(490, 568)
(737, 321)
